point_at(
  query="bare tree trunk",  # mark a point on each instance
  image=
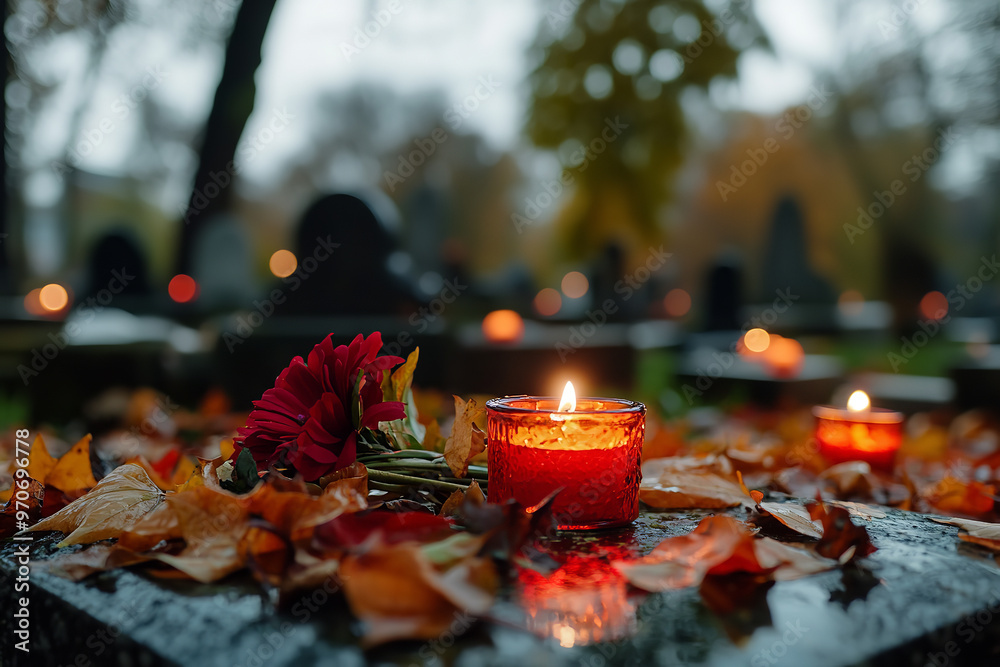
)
(233, 104)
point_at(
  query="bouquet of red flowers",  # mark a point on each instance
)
(329, 411)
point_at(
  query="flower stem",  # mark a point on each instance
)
(396, 478)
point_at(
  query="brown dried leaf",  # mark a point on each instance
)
(665, 487)
(115, 505)
(791, 515)
(977, 532)
(466, 440)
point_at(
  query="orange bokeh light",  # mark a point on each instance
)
(548, 302)
(677, 302)
(575, 284)
(503, 326)
(784, 357)
(182, 288)
(283, 263)
(33, 304)
(53, 297)
(756, 340)
(934, 306)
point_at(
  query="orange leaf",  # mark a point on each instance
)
(718, 545)
(399, 593)
(212, 524)
(113, 506)
(953, 496)
(466, 440)
(72, 473)
(40, 462)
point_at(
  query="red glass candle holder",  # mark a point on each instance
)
(870, 435)
(592, 453)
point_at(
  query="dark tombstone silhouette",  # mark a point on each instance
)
(724, 294)
(115, 254)
(352, 278)
(786, 259)
(608, 270)
(909, 274)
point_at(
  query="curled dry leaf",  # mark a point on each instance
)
(665, 487)
(841, 539)
(113, 506)
(977, 532)
(791, 515)
(466, 439)
(453, 504)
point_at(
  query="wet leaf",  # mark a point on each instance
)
(719, 545)
(399, 593)
(977, 532)
(115, 505)
(466, 440)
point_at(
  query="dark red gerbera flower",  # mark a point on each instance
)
(306, 420)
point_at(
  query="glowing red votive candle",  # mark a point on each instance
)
(591, 449)
(859, 433)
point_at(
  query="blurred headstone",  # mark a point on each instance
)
(343, 253)
(221, 264)
(786, 259)
(117, 257)
(724, 294)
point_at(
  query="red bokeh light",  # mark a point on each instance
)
(182, 288)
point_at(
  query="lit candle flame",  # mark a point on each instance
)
(568, 401)
(858, 402)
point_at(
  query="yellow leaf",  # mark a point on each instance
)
(464, 441)
(113, 506)
(72, 473)
(40, 462)
(402, 377)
